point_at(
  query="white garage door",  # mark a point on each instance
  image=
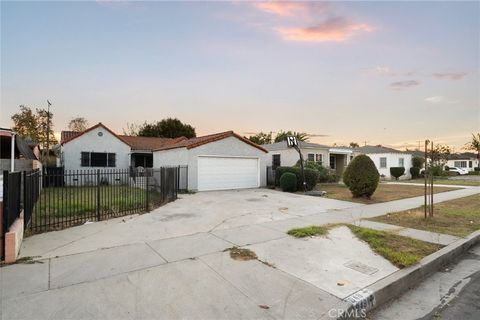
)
(223, 173)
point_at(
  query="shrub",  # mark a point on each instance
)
(417, 162)
(311, 176)
(361, 176)
(447, 168)
(397, 172)
(476, 168)
(415, 172)
(324, 174)
(288, 182)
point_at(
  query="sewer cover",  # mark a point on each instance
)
(360, 267)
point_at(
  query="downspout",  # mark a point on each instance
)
(12, 153)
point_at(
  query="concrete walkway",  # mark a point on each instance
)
(171, 262)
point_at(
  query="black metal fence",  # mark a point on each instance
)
(58, 199)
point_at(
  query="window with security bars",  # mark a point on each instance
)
(98, 159)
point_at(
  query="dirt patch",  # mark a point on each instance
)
(242, 254)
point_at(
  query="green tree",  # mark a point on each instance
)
(354, 145)
(282, 136)
(474, 145)
(361, 176)
(167, 128)
(439, 155)
(261, 138)
(78, 124)
(34, 125)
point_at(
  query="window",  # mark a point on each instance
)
(461, 164)
(383, 162)
(315, 157)
(276, 160)
(470, 164)
(318, 158)
(401, 162)
(98, 159)
(311, 157)
(333, 162)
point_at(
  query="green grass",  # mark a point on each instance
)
(308, 231)
(458, 217)
(64, 204)
(399, 250)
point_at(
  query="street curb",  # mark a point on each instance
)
(392, 286)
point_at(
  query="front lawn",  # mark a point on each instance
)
(385, 192)
(458, 217)
(453, 182)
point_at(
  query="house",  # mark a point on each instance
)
(25, 154)
(385, 158)
(336, 158)
(466, 160)
(99, 147)
(218, 161)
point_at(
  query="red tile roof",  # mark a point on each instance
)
(67, 135)
(71, 137)
(198, 141)
(149, 143)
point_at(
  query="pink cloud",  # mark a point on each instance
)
(336, 29)
(399, 85)
(450, 75)
(282, 8)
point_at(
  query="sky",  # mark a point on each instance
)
(390, 73)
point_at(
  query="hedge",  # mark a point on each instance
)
(397, 172)
(288, 182)
(361, 176)
(311, 176)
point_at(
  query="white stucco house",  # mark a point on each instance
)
(467, 160)
(385, 158)
(217, 162)
(337, 158)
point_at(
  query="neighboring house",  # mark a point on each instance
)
(467, 160)
(336, 158)
(25, 157)
(99, 147)
(216, 162)
(385, 158)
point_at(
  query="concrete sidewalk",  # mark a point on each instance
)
(159, 265)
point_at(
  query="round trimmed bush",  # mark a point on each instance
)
(361, 176)
(397, 172)
(415, 172)
(288, 182)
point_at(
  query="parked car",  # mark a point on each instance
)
(458, 171)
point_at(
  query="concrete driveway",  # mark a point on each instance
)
(171, 263)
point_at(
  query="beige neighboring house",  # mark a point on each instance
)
(337, 158)
(385, 158)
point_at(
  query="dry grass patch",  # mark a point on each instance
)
(458, 217)
(242, 254)
(384, 193)
(453, 182)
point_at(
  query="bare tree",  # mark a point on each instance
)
(78, 124)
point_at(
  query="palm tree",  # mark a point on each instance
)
(474, 144)
(282, 135)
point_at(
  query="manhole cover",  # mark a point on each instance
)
(360, 267)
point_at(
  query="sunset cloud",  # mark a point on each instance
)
(286, 9)
(399, 85)
(336, 29)
(450, 75)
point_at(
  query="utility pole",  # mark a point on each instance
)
(425, 175)
(48, 132)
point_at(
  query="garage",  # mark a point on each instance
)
(223, 173)
(219, 161)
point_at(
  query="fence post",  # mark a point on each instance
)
(146, 190)
(98, 194)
